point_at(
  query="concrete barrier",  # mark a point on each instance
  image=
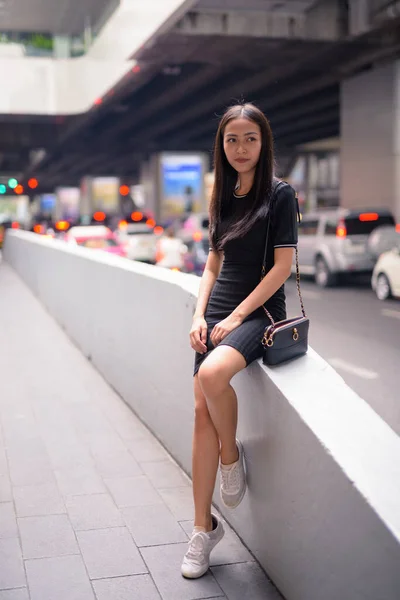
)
(322, 513)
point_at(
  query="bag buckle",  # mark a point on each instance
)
(295, 334)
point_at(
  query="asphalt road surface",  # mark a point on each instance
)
(360, 337)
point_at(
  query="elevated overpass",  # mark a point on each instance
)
(165, 86)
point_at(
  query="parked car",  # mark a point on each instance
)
(97, 237)
(386, 275)
(139, 241)
(383, 239)
(334, 242)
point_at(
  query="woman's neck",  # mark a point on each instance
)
(245, 184)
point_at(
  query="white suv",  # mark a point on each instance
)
(333, 242)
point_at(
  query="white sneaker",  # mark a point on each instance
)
(233, 480)
(197, 559)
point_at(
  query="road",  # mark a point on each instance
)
(360, 337)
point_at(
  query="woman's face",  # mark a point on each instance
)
(242, 144)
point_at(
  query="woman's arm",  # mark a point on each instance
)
(210, 274)
(273, 280)
(198, 332)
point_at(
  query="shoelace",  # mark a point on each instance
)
(196, 548)
(230, 478)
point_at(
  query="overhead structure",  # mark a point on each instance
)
(289, 57)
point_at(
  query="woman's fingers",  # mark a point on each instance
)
(196, 342)
(203, 334)
(217, 335)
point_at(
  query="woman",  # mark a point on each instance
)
(230, 320)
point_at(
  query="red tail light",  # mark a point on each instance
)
(368, 217)
(15, 225)
(341, 230)
(62, 225)
(398, 227)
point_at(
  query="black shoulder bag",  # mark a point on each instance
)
(288, 339)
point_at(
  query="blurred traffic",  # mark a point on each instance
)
(335, 246)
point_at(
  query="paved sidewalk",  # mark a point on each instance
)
(91, 505)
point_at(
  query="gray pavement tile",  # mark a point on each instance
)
(79, 481)
(19, 424)
(121, 464)
(133, 491)
(37, 500)
(146, 449)
(180, 501)
(5, 489)
(124, 421)
(153, 525)
(245, 580)
(229, 550)
(3, 462)
(87, 417)
(12, 572)
(61, 578)
(110, 553)
(99, 443)
(97, 511)
(30, 469)
(45, 537)
(8, 521)
(164, 564)
(69, 455)
(137, 587)
(15, 594)
(164, 474)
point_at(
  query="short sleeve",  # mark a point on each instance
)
(284, 218)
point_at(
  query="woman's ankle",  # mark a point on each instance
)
(229, 455)
(205, 524)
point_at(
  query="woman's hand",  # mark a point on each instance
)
(224, 327)
(198, 335)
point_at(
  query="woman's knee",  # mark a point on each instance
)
(212, 379)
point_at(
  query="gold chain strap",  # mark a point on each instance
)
(303, 310)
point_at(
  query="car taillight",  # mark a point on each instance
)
(62, 225)
(368, 217)
(341, 230)
(398, 227)
(15, 225)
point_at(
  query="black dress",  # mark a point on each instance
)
(241, 273)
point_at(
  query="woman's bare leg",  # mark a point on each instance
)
(214, 376)
(205, 459)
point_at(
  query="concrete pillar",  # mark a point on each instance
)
(370, 139)
(86, 199)
(149, 180)
(62, 46)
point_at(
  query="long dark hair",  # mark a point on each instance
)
(226, 177)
